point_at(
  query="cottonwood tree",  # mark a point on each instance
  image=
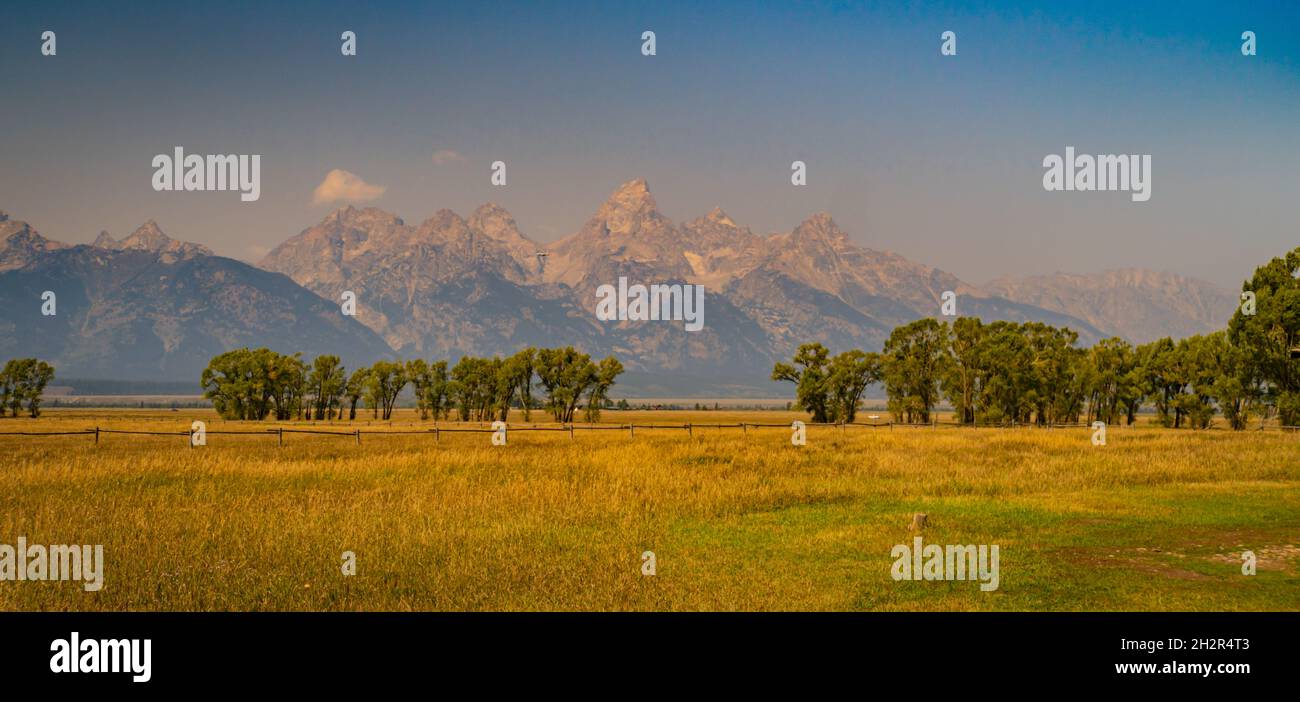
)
(809, 373)
(1268, 337)
(565, 375)
(384, 383)
(1163, 381)
(914, 358)
(964, 374)
(829, 388)
(355, 390)
(608, 369)
(1236, 388)
(325, 386)
(251, 384)
(1057, 393)
(1111, 360)
(238, 383)
(519, 370)
(436, 394)
(287, 376)
(1008, 394)
(417, 372)
(7, 388)
(24, 380)
(849, 375)
(472, 388)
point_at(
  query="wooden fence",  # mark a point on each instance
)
(279, 432)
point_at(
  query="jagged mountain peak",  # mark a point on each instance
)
(445, 220)
(627, 230)
(495, 221)
(148, 233)
(717, 216)
(150, 237)
(637, 188)
(822, 227)
(21, 244)
(631, 202)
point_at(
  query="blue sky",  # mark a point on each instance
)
(937, 158)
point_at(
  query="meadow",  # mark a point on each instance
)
(1157, 519)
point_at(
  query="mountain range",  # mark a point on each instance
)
(149, 306)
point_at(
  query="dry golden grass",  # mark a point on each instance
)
(1156, 519)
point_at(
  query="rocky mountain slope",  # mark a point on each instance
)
(1139, 305)
(152, 306)
(764, 295)
(138, 313)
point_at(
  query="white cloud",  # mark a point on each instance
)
(443, 156)
(341, 186)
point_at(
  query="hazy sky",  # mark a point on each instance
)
(937, 158)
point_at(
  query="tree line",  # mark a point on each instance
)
(1008, 372)
(259, 383)
(21, 382)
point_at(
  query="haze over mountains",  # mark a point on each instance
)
(149, 306)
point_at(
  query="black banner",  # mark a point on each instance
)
(929, 652)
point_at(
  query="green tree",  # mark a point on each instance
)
(7, 387)
(287, 379)
(24, 380)
(1008, 392)
(965, 373)
(326, 383)
(914, 358)
(608, 369)
(1233, 386)
(473, 387)
(1159, 360)
(1268, 337)
(849, 375)
(238, 383)
(384, 383)
(809, 373)
(355, 390)
(417, 371)
(519, 370)
(437, 394)
(565, 375)
(1111, 360)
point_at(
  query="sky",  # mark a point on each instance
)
(938, 158)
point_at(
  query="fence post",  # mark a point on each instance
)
(358, 435)
(631, 430)
(437, 434)
(570, 431)
(280, 431)
(689, 431)
(191, 438)
(96, 436)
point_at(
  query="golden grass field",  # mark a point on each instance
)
(1154, 520)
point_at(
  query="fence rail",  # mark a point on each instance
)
(438, 431)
